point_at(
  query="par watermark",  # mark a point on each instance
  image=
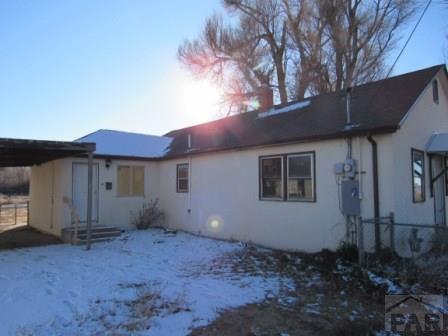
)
(416, 315)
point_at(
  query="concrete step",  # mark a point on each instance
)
(98, 234)
(93, 241)
(83, 229)
(110, 234)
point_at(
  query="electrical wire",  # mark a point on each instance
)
(375, 94)
(409, 38)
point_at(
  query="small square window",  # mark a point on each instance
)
(131, 181)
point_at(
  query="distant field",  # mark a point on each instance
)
(13, 210)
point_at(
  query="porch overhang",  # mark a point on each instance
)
(26, 152)
(437, 144)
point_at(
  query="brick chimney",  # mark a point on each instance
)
(265, 97)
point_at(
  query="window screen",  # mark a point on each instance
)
(272, 177)
(300, 177)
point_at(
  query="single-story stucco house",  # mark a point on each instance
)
(273, 176)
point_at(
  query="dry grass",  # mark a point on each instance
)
(139, 310)
(9, 216)
(328, 297)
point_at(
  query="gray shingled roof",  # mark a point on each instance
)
(377, 107)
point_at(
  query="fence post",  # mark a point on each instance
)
(28, 213)
(360, 241)
(392, 231)
(15, 213)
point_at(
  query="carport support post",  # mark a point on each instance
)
(89, 199)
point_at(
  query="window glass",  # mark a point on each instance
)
(131, 181)
(271, 178)
(182, 177)
(300, 177)
(124, 180)
(418, 175)
(138, 181)
(299, 166)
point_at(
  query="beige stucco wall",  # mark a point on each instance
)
(226, 186)
(41, 198)
(53, 181)
(425, 118)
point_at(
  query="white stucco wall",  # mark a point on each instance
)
(53, 180)
(226, 186)
(425, 118)
(41, 197)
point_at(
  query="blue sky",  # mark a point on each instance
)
(70, 67)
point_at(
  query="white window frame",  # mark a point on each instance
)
(281, 198)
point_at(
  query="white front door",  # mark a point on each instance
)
(439, 189)
(79, 190)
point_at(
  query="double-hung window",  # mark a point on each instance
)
(418, 175)
(182, 178)
(272, 177)
(300, 177)
(287, 177)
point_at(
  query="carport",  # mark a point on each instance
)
(26, 152)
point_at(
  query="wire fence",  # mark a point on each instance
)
(14, 214)
(401, 239)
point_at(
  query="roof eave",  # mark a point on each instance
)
(333, 136)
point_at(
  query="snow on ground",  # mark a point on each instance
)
(139, 284)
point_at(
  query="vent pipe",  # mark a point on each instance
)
(189, 141)
(348, 100)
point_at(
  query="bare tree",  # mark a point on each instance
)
(360, 34)
(296, 47)
(244, 56)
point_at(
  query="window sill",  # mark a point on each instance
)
(131, 196)
(286, 201)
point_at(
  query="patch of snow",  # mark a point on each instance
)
(312, 308)
(390, 286)
(117, 143)
(66, 290)
(285, 109)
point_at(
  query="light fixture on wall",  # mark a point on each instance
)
(108, 163)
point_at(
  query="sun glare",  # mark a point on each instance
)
(199, 99)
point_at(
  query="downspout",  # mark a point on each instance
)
(376, 198)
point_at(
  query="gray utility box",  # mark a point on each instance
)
(351, 204)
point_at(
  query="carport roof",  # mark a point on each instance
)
(25, 152)
(437, 144)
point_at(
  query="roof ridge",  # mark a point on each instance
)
(277, 106)
(122, 132)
